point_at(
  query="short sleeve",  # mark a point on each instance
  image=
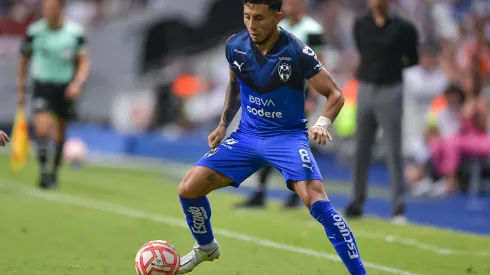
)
(229, 53)
(26, 46)
(227, 50)
(81, 39)
(308, 61)
(81, 43)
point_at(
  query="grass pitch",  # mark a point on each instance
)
(99, 217)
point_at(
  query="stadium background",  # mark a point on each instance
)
(159, 74)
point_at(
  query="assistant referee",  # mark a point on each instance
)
(59, 67)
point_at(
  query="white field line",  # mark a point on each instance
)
(173, 169)
(129, 212)
(412, 242)
(177, 170)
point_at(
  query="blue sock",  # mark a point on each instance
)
(340, 235)
(198, 215)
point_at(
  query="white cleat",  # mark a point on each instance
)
(399, 220)
(197, 256)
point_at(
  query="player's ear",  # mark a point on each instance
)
(279, 17)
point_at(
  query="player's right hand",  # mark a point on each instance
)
(73, 90)
(4, 139)
(215, 138)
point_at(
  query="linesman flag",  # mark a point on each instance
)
(20, 141)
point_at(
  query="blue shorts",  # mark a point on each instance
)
(241, 155)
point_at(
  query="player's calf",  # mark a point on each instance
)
(193, 189)
(61, 125)
(338, 231)
(42, 125)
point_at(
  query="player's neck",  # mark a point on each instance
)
(380, 16)
(267, 46)
(55, 24)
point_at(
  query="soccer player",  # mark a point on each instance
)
(268, 70)
(309, 32)
(4, 138)
(60, 66)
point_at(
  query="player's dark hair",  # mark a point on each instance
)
(273, 4)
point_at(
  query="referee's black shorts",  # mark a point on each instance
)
(48, 97)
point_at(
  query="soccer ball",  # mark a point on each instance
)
(157, 258)
(75, 152)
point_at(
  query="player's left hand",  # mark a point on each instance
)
(73, 90)
(4, 138)
(319, 132)
(320, 135)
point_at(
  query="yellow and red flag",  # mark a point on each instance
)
(20, 141)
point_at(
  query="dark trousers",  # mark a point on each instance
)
(379, 106)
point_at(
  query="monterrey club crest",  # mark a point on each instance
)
(285, 71)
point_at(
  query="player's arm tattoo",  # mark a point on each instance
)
(326, 86)
(232, 101)
(212, 178)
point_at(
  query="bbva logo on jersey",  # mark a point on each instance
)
(285, 71)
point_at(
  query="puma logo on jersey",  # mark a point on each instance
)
(238, 65)
(308, 166)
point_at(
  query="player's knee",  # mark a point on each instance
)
(186, 191)
(188, 188)
(200, 181)
(42, 124)
(310, 192)
(316, 193)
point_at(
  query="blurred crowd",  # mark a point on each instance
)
(16, 15)
(188, 91)
(451, 31)
(454, 68)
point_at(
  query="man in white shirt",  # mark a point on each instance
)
(422, 83)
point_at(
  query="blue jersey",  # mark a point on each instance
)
(272, 129)
(272, 87)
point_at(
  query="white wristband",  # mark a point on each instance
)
(323, 122)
